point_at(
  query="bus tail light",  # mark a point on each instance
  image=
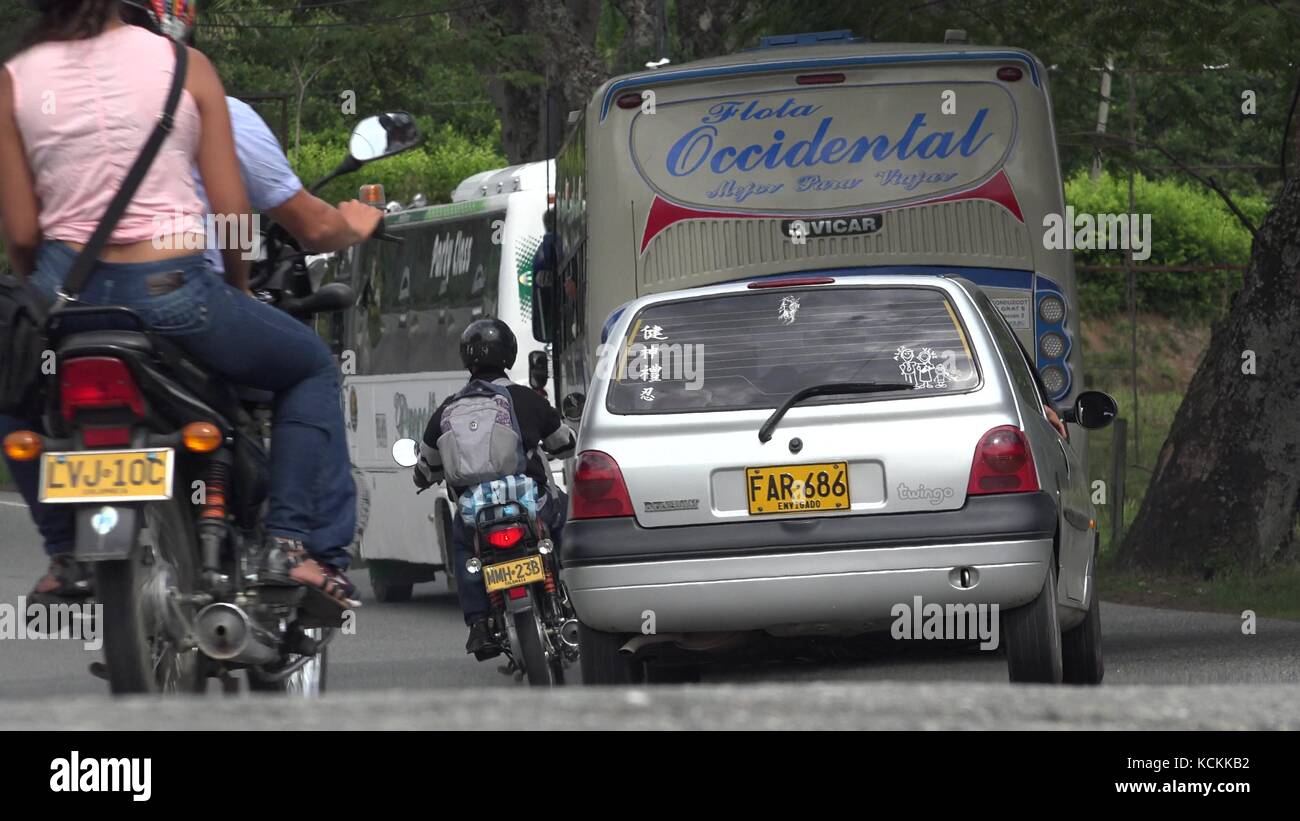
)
(632, 99)
(1003, 464)
(598, 490)
(1010, 74)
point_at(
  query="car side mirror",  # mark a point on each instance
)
(538, 369)
(573, 405)
(1091, 410)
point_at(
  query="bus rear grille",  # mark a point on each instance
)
(970, 233)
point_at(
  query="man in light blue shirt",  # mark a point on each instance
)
(275, 190)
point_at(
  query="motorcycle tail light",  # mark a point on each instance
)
(98, 383)
(517, 592)
(106, 437)
(506, 537)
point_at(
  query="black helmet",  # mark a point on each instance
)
(488, 345)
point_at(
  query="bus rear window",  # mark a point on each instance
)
(754, 349)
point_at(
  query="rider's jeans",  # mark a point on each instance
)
(470, 589)
(54, 522)
(312, 496)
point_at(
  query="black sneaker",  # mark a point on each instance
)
(67, 581)
(482, 643)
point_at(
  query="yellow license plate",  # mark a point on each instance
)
(107, 475)
(513, 574)
(798, 488)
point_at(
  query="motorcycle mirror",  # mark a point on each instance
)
(406, 453)
(573, 405)
(383, 136)
(538, 369)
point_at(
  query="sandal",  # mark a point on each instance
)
(67, 580)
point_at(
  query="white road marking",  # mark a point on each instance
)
(13, 504)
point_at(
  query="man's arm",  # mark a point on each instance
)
(428, 470)
(273, 187)
(19, 208)
(320, 227)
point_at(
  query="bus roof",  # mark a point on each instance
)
(526, 177)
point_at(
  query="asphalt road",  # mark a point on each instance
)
(405, 668)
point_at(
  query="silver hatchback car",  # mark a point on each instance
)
(818, 455)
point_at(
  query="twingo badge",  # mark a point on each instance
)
(814, 227)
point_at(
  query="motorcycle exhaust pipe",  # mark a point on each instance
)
(226, 633)
(569, 633)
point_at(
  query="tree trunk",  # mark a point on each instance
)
(562, 57)
(1226, 487)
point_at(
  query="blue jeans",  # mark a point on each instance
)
(470, 590)
(312, 496)
(54, 522)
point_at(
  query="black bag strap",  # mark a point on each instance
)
(76, 277)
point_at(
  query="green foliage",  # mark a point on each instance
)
(1190, 226)
(433, 169)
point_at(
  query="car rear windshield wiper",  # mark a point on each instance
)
(827, 389)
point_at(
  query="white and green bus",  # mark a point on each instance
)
(399, 346)
(816, 153)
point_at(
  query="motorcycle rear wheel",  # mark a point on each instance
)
(140, 646)
(538, 666)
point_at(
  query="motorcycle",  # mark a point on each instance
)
(168, 471)
(531, 617)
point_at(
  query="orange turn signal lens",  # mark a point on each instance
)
(23, 445)
(201, 437)
(373, 194)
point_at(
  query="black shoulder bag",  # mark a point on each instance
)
(24, 310)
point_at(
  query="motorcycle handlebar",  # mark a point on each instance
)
(336, 296)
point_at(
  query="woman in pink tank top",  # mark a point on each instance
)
(76, 106)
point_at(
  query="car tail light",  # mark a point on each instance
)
(598, 490)
(790, 282)
(506, 537)
(1003, 463)
(106, 437)
(829, 78)
(96, 383)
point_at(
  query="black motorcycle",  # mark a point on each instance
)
(531, 618)
(167, 469)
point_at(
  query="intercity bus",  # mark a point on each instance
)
(399, 346)
(816, 153)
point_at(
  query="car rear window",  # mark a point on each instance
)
(754, 349)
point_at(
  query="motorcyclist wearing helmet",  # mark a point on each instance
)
(488, 349)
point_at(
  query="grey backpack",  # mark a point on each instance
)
(480, 438)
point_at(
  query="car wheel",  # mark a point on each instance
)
(1033, 637)
(1081, 647)
(601, 661)
(387, 588)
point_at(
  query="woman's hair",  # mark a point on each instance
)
(71, 20)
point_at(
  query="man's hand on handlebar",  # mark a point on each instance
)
(361, 218)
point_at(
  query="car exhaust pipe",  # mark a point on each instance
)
(226, 633)
(569, 634)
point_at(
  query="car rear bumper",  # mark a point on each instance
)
(805, 574)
